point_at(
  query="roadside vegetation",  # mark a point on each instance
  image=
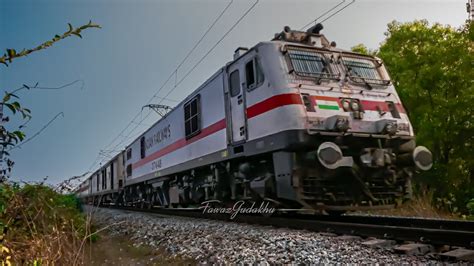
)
(432, 69)
(38, 225)
(41, 226)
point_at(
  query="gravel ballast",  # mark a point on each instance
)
(210, 241)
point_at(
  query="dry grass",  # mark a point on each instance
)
(421, 205)
(120, 250)
(42, 227)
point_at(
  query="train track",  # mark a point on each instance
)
(435, 232)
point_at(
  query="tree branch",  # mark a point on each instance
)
(12, 53)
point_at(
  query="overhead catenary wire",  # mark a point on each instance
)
(212, 48)
(207, 53)
(176, 69)
(322, 15)
(173, 73)
(339, 10)
(198, 63)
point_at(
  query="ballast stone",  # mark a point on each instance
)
(348, 238)
(459, 254)
(414, 249)
(379, 243)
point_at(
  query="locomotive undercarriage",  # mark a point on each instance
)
(376, 175)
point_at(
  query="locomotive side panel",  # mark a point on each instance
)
(271, 105)
(94, 183)
(194, 128)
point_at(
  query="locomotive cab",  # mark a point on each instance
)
(340, 136)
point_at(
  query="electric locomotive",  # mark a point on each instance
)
(295, 121)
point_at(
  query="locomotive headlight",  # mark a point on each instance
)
(420, 157)
(403, 127)
(423, 158)
(328, 154)
(355, 106)
(346, 105)
(391, 128)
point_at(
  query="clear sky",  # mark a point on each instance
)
(141, 43)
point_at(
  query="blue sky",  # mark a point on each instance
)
(123, 64)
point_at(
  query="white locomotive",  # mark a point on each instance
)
(294, 120)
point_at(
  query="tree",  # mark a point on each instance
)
(432, 69)
(11, 137)
(26, 212)
(362, 49)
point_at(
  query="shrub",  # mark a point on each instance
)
(40, 225)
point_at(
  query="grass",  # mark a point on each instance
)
(422, 205)
(120, 250)
(41, 226)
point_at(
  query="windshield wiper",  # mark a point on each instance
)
(365, 82)
(362, 78)
(325, 74)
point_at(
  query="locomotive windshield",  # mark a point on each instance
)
(363, 70)
(309, 63)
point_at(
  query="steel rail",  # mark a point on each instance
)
(421, 230)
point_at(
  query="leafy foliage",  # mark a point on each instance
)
(12, 53)
(362, 49)
(10, 138)
(470, 208)
(38, 223)
(432, 69)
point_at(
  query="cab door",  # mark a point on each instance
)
(237, 103)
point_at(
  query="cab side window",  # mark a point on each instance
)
(253, 74)
(192, 117)
(142, 147)
(234, 82)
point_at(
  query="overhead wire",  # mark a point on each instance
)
(322, 15)
(166, 82)
(176, 69)
(208, 52)
(199, 62)
(339, 10)
(212, 48)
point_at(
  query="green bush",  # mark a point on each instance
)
(37, 223)
(431, 67)
(470, 207)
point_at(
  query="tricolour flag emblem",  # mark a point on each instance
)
(327, 104)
